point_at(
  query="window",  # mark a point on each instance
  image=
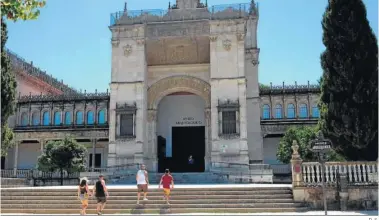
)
(46, 118)
(125, 115)
(57, 118)
(290, 111)
(303, 111)
(229, 122)
(278, 111)
(90, 118)
(266, 112)
(24, 119)
(315, 112)
(67, 118)
(79, 118)
(127, 125)
(97, 160)
(228, 115)
(101, 117)
(35, 118)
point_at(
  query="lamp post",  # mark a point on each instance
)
(320, 146)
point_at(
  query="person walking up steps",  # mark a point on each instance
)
(142, 183)
(166, 181)
(83, 195)
(101, 193)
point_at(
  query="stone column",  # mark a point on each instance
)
(15, 161)
(208, 139)
(93, 153)
(296, 161)
(152, 140)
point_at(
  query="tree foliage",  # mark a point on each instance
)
(8, 93)
(21, 9)
(303, 135)
(12, 10)
(349, 86)
(63, 155)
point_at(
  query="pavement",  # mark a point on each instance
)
(310, 213)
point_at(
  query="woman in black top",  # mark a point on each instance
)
(83, 195)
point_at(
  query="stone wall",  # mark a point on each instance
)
(358, 197)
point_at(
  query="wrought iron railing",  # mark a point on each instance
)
(216, 12)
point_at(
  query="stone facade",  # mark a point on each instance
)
(209, 52)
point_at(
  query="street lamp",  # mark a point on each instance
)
(320, 146)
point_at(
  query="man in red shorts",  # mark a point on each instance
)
(166, 181)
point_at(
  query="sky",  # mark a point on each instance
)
(71, 39)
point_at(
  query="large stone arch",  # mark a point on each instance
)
(173, 84)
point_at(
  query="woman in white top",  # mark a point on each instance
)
(142, 182)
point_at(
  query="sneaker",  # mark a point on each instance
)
(99, 213)
(137, 202)
(145, 199)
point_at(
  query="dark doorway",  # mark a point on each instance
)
(188, 141)
(97, 160)
(2, 163)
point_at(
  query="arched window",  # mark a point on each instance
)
(67, 118)
(46, 118)
(57, 118)
(278, 111)
(303, 111)
(315, 112)
(266, 112)
(290, 111)
(24, 119)
(35, 118)
(90, 118)
(79, 117)
(101, 117)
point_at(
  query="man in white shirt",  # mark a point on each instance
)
(142, 182)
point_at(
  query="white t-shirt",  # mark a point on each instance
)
(141, 179)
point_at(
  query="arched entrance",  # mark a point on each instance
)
(179, 123)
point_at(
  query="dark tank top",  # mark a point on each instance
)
(99, 189)
(83, 190)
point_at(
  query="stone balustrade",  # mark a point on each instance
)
(357, 172)
(349, 185)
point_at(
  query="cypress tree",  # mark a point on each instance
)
(8, 92)
(349, 86)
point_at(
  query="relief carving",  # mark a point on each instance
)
(240, 37)
(115, 43)
(227, 44)
(177, 84)
(213, 38)
(253, 55)
(127, 50)
(140, 41)
(151, 115)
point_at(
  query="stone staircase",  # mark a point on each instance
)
(184, 199)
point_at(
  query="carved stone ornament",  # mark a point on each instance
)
(140, 41)
(213, 38)
(128, 50)
(151, 115)
(255, 62)
(227, 44)
(177, 84)
(240, 37)
(115, 43)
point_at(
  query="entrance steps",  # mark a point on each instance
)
(184, 199)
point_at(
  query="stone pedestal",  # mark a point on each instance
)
(296, 161)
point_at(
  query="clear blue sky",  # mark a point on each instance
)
(71, 39)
